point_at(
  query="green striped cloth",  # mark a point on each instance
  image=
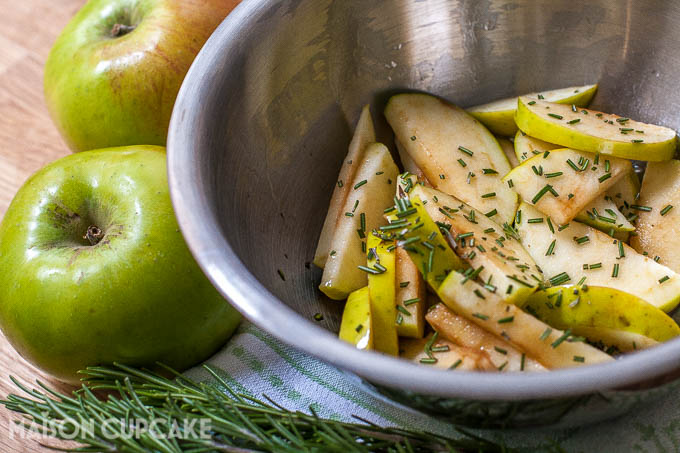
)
(256, 364)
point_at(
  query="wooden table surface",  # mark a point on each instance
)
(28, 141)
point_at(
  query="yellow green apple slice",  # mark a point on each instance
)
(364, 134)
(493, 252)
(594, 131)
(457, 154)
(356, 326)
(578, 253)
(499, 116)
(625, 194)
(547, 345)
(370, 193)
(562, 182)
(381, 269)
(605, 216)
(441, 353)
(622, 340)
(468, 334)
(658, 232)
(527, 146)
(596, 307)
(410, 297)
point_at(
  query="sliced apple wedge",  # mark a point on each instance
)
(458, 155)
(468, 334)
(371, 192)
(509, 150)
(417, 233)
(499, 116)
(551, 347)
(410, 298)
(658, 232)
(595, 307)
(625, 194)
(603, 215)
(382, 291)
(621, 340)
(594, 131)
(527, 147)
(444, 354)
(570, 253)
(498, 258)
(410, 166)
(356, 326)
(562, 182)
(364, 135)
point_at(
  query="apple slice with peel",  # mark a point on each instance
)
(468, 334)
(603, 215)
(456, 153)
(381, 262)
(356, 326)
(573, 252)
(499, 116)
(370, 193)
(562, 182)
(625, 194)
(594, 131)
(496, 254)
(410, 297)
(594, 307)
(549, 346)
(658, 232)
(527, 146)
(364, 134)
(621, 340)
(441, 353)
(509, 150)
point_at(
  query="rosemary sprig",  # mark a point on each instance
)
(238, 423)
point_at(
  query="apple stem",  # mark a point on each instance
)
(121, 29)
(94, 234)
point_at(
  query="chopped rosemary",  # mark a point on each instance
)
(506, 320)
(665, 210)
(554, 115)
(359, 184)
(574, 121)
(465, 150)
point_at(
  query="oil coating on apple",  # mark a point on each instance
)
(114, 72)
(94, 269)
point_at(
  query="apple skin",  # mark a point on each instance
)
(105, 91)
(136, 297)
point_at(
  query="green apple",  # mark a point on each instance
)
(364, 135)
(563, 182)
(597, 132)
(498, 116)
(605, 216)
(457, 154)
(372, 191)
(527, 146)
(411, 296)
(598, 307)
(659, 226)
(112, 76)
(94, 269)
(570, 253)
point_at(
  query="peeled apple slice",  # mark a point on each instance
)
(598, 307)
(356, 326)
(597, 132)
(382, 292)
(547, 345)
(370, 193)
(569, 254)
(658, 231)
(468, 334)
(456, 153)
(527, 147)
(562, 182)
(364, 134)
(410, 166)
(499, 116)
(509, 150)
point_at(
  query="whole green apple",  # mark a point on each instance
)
(113, 75)
(94, 269)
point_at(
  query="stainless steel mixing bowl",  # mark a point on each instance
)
(264, 117)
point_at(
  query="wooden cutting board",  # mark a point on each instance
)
(28, 140)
